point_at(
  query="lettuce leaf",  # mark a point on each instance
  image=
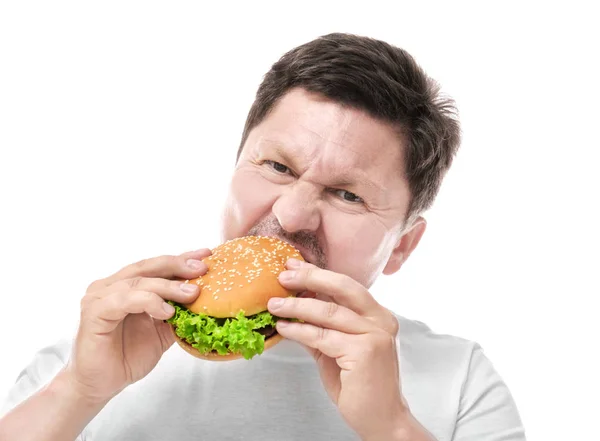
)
(237, 335)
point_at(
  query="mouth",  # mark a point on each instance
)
(306, 255)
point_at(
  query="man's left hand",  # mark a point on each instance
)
(353, 340)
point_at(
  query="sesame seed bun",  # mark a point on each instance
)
(242, 275)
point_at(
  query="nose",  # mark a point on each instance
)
(297, 208)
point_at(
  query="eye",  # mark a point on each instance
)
(348, 196)
(278, 167)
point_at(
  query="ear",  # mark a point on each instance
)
(407, 243)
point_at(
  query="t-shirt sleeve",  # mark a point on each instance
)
(44, 366)
(487, 409)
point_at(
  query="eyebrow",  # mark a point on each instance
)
(343, 179)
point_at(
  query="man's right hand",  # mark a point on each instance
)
(122, 334)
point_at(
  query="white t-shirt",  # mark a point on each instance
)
(450, 385)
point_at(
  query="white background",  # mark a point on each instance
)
(119, 123)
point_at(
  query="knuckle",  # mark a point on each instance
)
(135, 302)
(94, 286)
(152, 298)
(331, 309)
(169, 258)
(84, 303)
(382, 340)
(145, 297)
(113, 302)
(173, 261)
(322, 334)
(87, 301)
(141, 264)
(291, 303)
(388, 322)
(307, 274)
(134, 282)
(94, 310)
(172, 285)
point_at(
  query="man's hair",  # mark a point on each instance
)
(382, 80)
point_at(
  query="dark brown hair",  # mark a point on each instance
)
(386, 82)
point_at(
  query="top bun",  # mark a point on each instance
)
(242, 275)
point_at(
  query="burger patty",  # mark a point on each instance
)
(267, 331)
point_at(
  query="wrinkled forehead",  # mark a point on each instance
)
(330, 136)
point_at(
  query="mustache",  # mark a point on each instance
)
(302, 238)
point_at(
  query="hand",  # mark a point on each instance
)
(122, 334)
(353, 342)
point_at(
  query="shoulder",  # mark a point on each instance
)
(477, 402)
(422, 349)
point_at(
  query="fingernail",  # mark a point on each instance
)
(295, 263)
(282, 323)
(195, 264)
(169, 309)
(276, 302)
(188, 288)
(286, 276)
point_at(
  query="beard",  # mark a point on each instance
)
(308, 240)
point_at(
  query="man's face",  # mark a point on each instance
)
(327, 179)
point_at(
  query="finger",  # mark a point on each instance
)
(175, 290)
(330, 342)
(185, 266)
(342, 289)
(108, 312)
(346, 349)
(308, 294)
(320, 313)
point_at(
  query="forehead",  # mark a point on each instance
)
(331, 138)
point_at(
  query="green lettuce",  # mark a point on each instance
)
(231, 335)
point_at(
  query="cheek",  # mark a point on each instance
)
(250, 199)
(355, 249)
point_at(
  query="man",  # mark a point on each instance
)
(344, 148)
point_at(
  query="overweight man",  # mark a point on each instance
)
(344, 149)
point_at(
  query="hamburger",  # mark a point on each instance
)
(229, 319)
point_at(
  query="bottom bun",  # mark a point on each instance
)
(213, 356)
